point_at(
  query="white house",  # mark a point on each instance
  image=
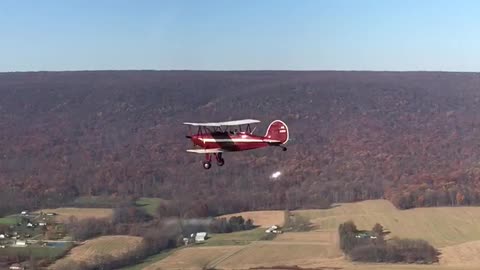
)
(200, 236)
(273, 229)
(2, 236)
(16, 266)
(24, 212)
(42, 224)
(20, 243)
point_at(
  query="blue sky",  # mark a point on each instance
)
(240, 35)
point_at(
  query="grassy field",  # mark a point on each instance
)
(10, 220)
(235, 238)
(88, 252)
(80, 213)
(263, 219)
(36, 252)
(150, 205)
(454, 231)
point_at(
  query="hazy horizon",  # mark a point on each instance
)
(216, 35)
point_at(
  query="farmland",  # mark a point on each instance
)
(235, 238)
(452, 230)
(64, 214)
(194, 258)
(93, 250)
(441, 226)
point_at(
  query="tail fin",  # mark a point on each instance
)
(278, 130)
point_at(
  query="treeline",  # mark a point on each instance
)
(125, 220)
(233, 224)
(296, 223)
(454, 192)
(372, 247)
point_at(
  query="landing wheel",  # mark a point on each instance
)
(207, 165)
(220, 160)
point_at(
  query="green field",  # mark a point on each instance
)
(36, 252)
(235, 238)
(10, 220)
(150, 205)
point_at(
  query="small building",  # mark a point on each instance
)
(24, 213)
(20, 243)
(2, 236)
(16, 266)
(273, 229)
(42, 224)
(200, 236)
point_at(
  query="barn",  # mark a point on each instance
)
(200, 236)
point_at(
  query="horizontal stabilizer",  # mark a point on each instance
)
(205, 151)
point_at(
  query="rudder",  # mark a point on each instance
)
(278, 130)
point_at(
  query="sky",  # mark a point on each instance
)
(401, 35)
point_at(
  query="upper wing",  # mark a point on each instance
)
(227, 123)
(205, 151)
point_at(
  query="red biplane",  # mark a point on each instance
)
(216, 138)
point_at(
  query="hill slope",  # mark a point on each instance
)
(455, 235)
(411, 137)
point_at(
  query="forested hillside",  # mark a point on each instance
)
(412, 137)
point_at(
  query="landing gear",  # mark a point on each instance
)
(220, 160)
(207, 163)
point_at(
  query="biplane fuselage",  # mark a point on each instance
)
(232, 142)
(216, 138)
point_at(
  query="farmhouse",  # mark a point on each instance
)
(16, 266)
(273, 229)
(20, 243)
(200, 236)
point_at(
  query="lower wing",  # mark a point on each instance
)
(205, 151)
